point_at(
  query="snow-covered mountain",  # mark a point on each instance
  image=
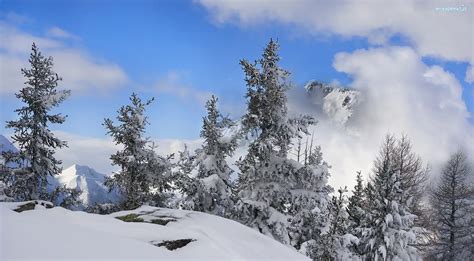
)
(88, 181)
(146, 233)
(337, 103)
(7, 145)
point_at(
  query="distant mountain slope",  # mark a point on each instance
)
(87, 180)
(337, 103)
(7, 145)
(61, 234)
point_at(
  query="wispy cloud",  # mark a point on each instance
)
(172, 83)
(469, 78)
(95, 152)
(431, 31)
(57, 32)
(80, 71)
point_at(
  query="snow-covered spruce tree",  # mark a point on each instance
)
(356, 211)
(143, 175)
(355, 206)
(212, 194)
(452, 201)
(273, 189)
(36, 142)
(389, 232)
(310, 200)
(335, 243)
(191, 190)
(413, 177)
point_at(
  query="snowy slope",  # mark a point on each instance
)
(87, 180)
(61, 234)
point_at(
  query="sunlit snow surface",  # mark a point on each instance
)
(57, 233)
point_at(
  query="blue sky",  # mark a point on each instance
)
(150, 40)
(411, 62)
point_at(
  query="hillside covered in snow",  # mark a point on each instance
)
(46, 233)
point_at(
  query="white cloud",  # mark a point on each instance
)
(172, 83)
(432, 30)
(469, 78)
(401, 95)
(16, 42)
(57, 32)
(95, 152)
(78, 69)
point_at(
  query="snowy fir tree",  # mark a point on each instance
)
(212, 193)
(311, 197)
(36, 142)
(452, 202)
(356, 211)
(335, 243)
(143, 176)
(274, 192)
(191, 192)
(412, 176)
(389, 232)
(355, 207)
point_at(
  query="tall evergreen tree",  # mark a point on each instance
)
(272, 188)
(214, 190)
(452, 201)
(331, 244)
(357, 215)
(355, 206)
(412, 174)
(36, 142)
(389, 232)
(144, 175)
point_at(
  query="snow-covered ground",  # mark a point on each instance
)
(57, 233)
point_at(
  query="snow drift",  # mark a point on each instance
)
(57, 233)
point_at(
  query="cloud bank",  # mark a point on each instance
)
(400, 95)
(441, 29)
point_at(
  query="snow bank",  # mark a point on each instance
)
(62, 234)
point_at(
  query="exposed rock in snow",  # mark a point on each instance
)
(88, 181)
(57, 233)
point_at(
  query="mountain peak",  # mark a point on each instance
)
(6, 144)
(88, 181)
(336, 102)
(81, 170)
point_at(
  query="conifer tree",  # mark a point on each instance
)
(335, 243)
(355, 206)
(273, 189)
(36, 142)
(143, 175)
(309, 212)
(389, 232)
(356, 210)
(452, 201)
(210, 190)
